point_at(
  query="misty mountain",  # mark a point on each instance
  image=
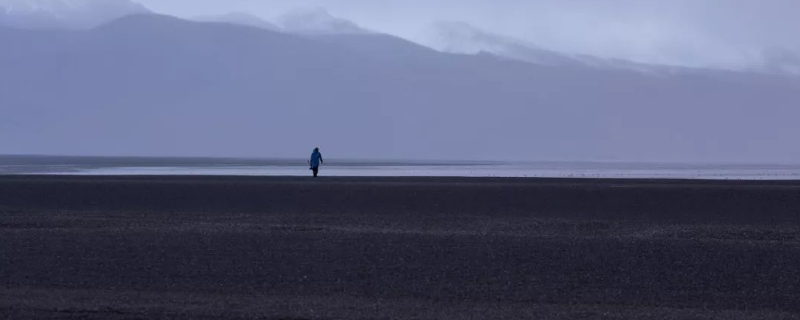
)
(307, 22)
(317, 21)
(460, 37)
(50, 14)
(240, 18)
(155, 85)
(378, 46)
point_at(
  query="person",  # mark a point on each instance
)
(316, 160)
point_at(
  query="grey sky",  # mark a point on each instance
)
(719, 33)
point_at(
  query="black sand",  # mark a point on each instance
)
(421, 248)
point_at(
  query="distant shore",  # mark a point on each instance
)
(265, 167)
(192, 247)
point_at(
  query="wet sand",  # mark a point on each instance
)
(397, 248)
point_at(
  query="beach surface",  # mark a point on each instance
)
(189, 247)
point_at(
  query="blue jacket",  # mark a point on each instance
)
(316, 158)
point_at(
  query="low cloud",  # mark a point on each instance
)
(732, 34)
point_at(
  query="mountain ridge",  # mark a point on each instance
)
(461, 37)
(240, 18)
(156, 85)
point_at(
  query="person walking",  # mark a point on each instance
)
(316, 160)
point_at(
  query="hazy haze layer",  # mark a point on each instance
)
(706, 33)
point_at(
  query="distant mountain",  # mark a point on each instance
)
(155, 85)
(376, 45)
(317, 21)
(64, 13)
(460, 37)
(240, 18)
(309, 22)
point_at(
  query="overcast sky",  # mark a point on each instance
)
(720, 33)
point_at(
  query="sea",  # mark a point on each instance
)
(141, 166)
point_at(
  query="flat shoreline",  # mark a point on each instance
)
(407, 179)
(221, 247)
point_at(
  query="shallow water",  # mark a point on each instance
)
(289, 167)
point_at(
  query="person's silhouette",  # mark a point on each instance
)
(316, 160)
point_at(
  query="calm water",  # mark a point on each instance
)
(288, 167)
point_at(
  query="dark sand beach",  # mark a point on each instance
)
(397, 248)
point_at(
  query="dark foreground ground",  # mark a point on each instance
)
(397, 248)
